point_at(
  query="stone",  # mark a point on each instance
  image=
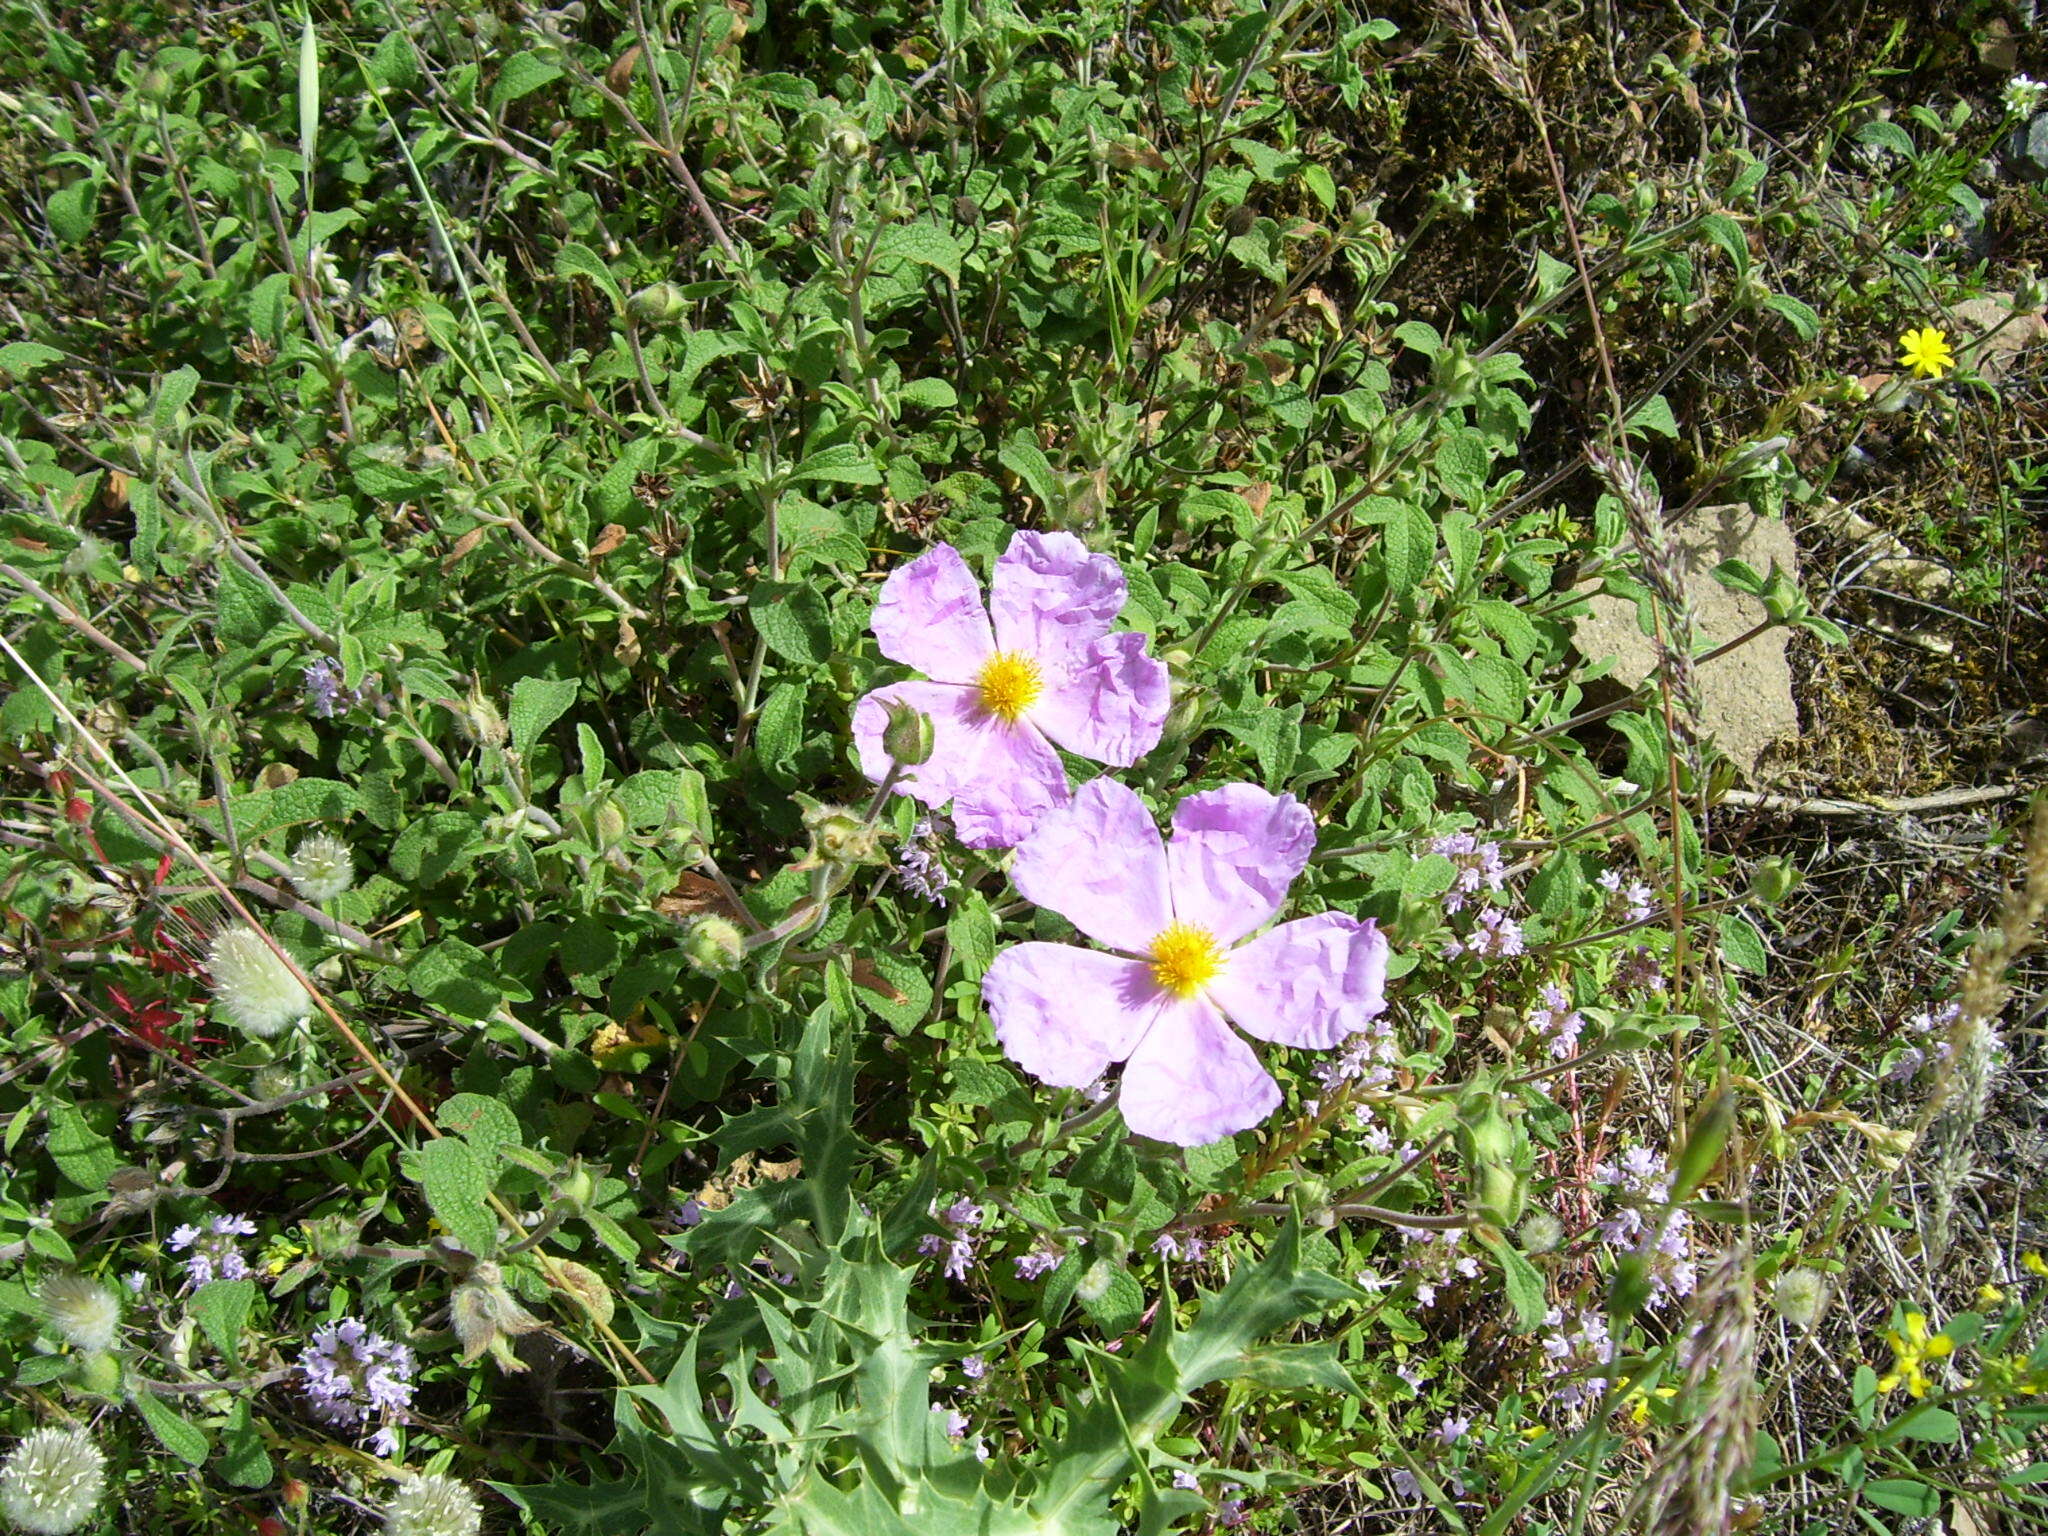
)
(1746, 696)
(1989, 334)
(2026, 149)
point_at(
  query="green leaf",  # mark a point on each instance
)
(793, 620)
(454, 1179)
(288, 805)
(1882, 134)
(971, 929)
(434, 847)
(1728, 235)
(222, 1309)
(658, 796)
(1936, 1425)
(1022, 457)
(1795, 312)
(537, 703)
(1742, 946)
(927, 394)
(1904, 1496)
(1524, 1284)
(843, 463)
(23, 359)
(456, 977)
(243, 1459)
(178, 1436)
(575, 259)
(1407, 545)
(1654, 415)
(522, 75)
(71, 210)
(925, 242)
(482, 1121)
(81, 1154)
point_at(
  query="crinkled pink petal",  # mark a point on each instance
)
(930, 617)
(1000, 777)
(1050, 597)
(1234, 852)
(1111, 706)
(1099, 864)
(1314, 982)
(1191, 1081)
(1064, 1014)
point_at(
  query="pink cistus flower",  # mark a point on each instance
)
(1178, 917)
(1046, 672)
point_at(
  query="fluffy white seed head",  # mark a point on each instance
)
(83, 1311)
(1798, 1295)
(1541, 1232)
(52, 1481)
(251, 985)
(321, 867)
(433, 1504)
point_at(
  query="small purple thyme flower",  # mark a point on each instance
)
(352, 1374)
(1478, 864)
(1496, 936)
(918, 868)
(1183, 1478)
(1452, 1430)
(1038, 1263)
(1557, 1021)
(212, 1252)
(973, 1367)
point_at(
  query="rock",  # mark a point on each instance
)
(1745, 696)
(2026, 149)
(2004, 333)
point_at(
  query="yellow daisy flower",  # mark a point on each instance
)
(1926, 352)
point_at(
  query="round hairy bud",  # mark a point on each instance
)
(433, 1504)
(53, 1481)
(83, 1311)
(713, 945)
(486, 1316)
(321, 867)
(252, 986)
(1541, 1232)
(1798, 1295)
(908, 735)
(658, 304)
(99, 1375)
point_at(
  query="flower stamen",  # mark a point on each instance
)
(1009, 684)
(1185, 959)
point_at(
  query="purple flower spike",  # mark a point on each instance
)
(1001, 696)
(1178, 916)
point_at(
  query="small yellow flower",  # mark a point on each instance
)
(2034, 1264)
(1912, 1348)
(1989, 1295)
(1926, 352)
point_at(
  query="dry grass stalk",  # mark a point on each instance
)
(1689, 1489)
(1962, 1084)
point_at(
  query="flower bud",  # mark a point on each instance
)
(838, 836)
(658, 304)
(321, 868)
(256, 991)
(485, 1317)
(609, 823)
(908, 735)
(574, 1187)
(713, 945)
(1095, 1281)
(85, 1313)
(1541, 1232)
(99, 1374)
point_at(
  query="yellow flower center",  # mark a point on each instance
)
(1185, 959)
(1009, 684)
